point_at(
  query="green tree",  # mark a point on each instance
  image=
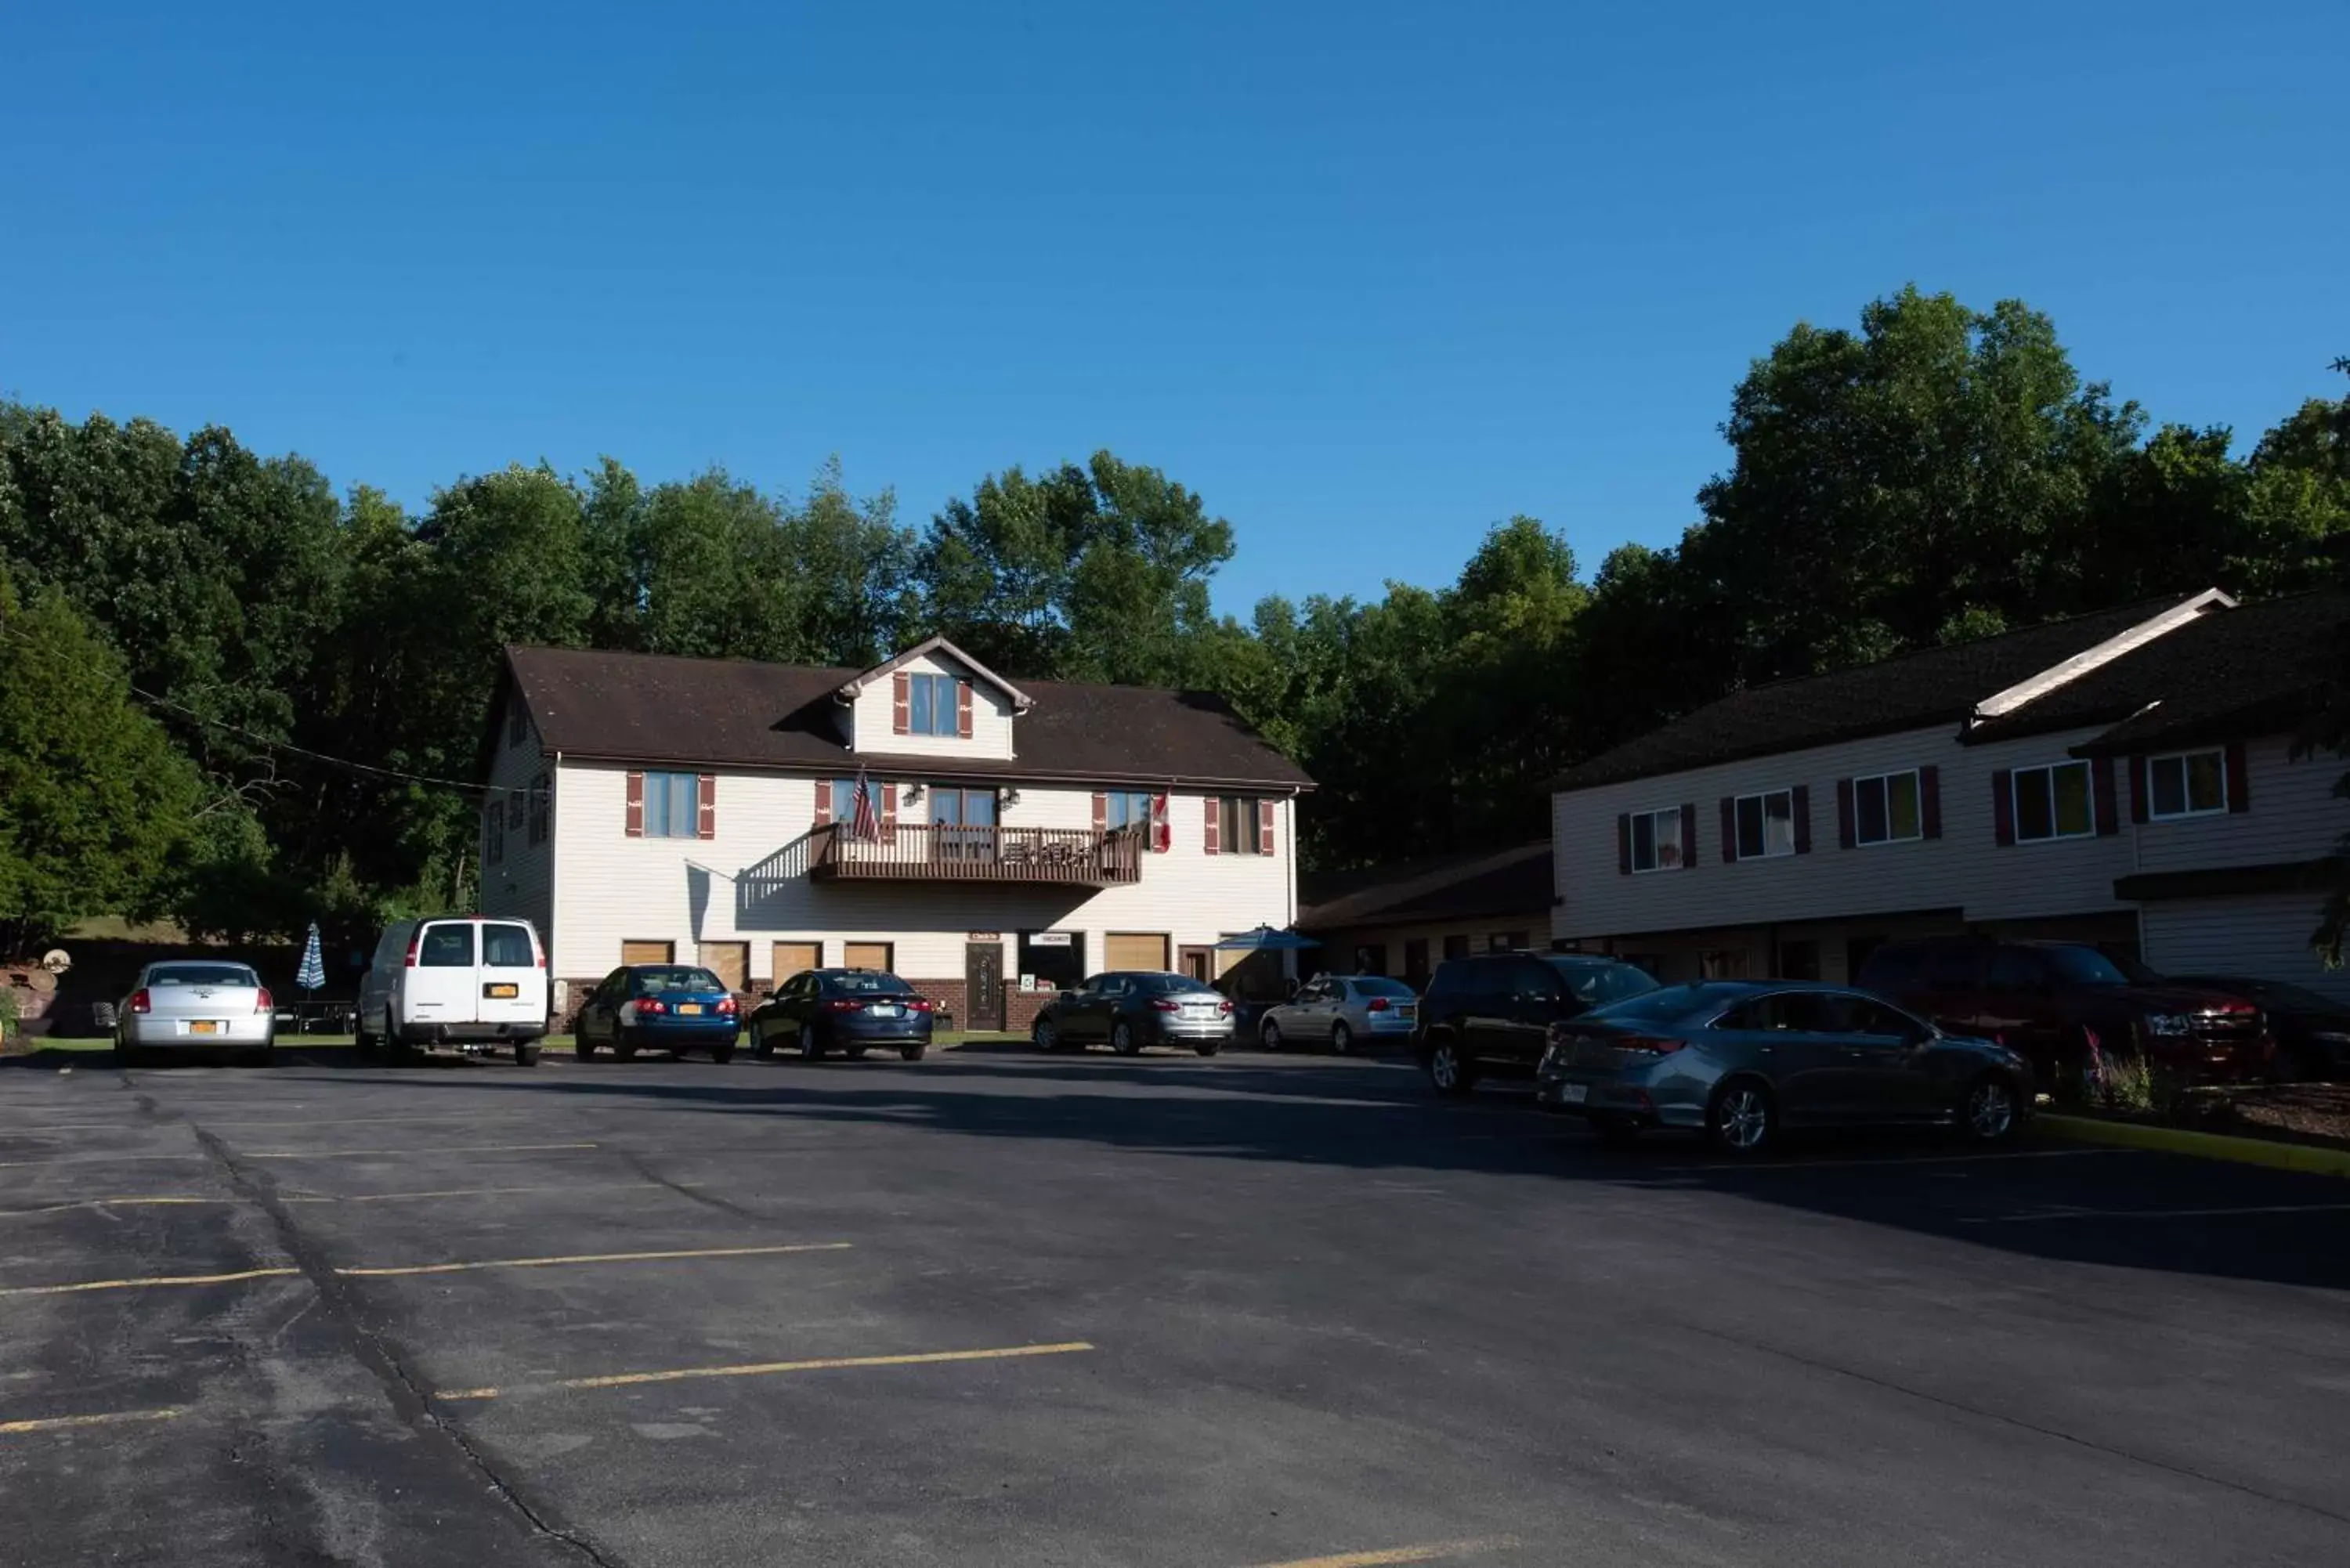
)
(96, 806)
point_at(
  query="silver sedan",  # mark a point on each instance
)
(191, 1005)
(1342, 1011)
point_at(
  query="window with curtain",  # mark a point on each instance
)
(670, 802)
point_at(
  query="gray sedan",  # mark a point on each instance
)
(189, 1004)
(1342, 1011)
(1741, 1060)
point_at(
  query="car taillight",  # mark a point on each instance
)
(1165, 1004)
(262, 1002)
(412, 936)
(140, 1001)
(1648, 1044)
(651, 1007)
(1376, 1004)
(729, 1006)
(1226, 1006)
(920, 1004)
(845, 1004)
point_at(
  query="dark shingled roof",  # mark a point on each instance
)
(720, 712)
(2255, 670)
(1451, 887)
(1910, 692)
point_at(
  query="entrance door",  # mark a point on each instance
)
(1199, 964)
(983, 984)
(793, 958)
(729, 961)
(1135, 949)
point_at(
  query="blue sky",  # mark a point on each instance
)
(1369, 276)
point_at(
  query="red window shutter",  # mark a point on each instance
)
(1163, 836)
(2239, 779)
(1623, 844)
(1800, 798)
(2101, 791)
(1215, 824)
(1101, 812)
(963, 710)
(823, 803)
(1728, 829)
(1847, 819)
(705, 802)
(888, 814)
(636, 805)
(1689, 835)
(2002, 808)
(1265, 811)
(901, 703)
(1930, 802)
(2138, 812)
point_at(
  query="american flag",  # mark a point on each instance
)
(865, 825)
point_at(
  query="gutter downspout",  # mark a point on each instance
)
(554, 864)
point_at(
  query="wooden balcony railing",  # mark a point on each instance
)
(932, 852)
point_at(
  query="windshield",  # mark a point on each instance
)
(2084, 966)
(1598, 984)
(200, 974)
(1374, 985)
(680, 976)
(871, 983)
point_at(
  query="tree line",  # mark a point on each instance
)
(235, 695)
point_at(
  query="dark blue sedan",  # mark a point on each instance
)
(671, 1007)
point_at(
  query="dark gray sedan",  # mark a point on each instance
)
(1740, 1061)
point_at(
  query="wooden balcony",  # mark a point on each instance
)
(927, 852)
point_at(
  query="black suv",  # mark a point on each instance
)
(1492, 1014)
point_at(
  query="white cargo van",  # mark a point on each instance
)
(475, 982)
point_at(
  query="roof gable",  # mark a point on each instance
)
(1020, 702)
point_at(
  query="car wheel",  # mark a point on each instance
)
(623, 1047)
(526, 1055)
(1449, 1070)
(811, 1048)
(1742, 1120)
(721, 1055)
(1991, 1112)
(856, 1053)
(760, 1047)
(1122, 1040)
(1208, 1047)
(1270, 1035)
(583, 1047)
(1044, 1036)
(1342, 1039)
(912, 1052)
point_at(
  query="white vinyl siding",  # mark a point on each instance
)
(870, 730)
(2293, 814)
(2266, 936)
(521, 882)
(750, 882)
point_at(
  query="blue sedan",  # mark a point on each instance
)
(671, 1007)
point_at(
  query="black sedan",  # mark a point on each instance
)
(851, 1011)
(2312, 1031)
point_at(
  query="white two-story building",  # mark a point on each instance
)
(990, 842)
(2127, 778)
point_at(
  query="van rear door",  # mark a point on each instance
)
(513, 977)
(443, 983)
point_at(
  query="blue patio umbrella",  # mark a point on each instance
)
(313, 972)
(1265, 940)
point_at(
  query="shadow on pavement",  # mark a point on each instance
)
(2119, 1209)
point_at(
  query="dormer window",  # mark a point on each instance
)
(931, 704)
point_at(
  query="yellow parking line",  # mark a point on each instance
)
(487, 1191)
(95, 1159)
(1433, 1551)
(768, 1368)
(463, 1148)
(380, 1274)
(105, 1203)
(148, 1285)
(61, 1423)
(381, 1121)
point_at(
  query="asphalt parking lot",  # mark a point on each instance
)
(1000, 1309)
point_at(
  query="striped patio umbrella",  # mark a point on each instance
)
(313, 972)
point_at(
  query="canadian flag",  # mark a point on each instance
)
(1163, 836)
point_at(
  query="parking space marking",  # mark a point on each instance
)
(1432, 1552)
(108, 1203)
(96, 1159)
(381, 1121)
(398, 1270)
(2156, 1213)
(370, 1153)
(767, 1370)
(646, 1187)
(156, 1283)
(1918, 1160)
(113, 1418)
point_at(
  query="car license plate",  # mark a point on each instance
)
(1574, 1094)
(689, 1007)
(203, 1026)
(506, 991)
(885, 1009)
